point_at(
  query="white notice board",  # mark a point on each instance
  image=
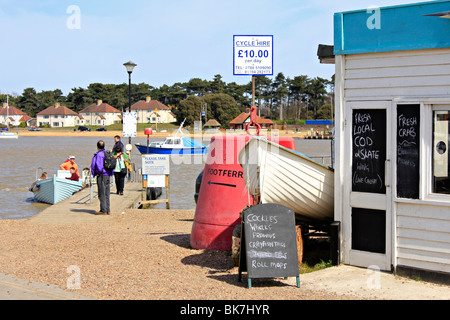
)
(155, 164)
(156, 181)
(129, 124)
(253, 55)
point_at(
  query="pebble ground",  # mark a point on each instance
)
(138, 255)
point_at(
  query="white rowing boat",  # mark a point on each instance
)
(279, 175)
(56, 189)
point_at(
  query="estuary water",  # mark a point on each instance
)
(20, 158)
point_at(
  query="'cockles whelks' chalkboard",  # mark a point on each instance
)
(368, 150)
(408, 150)
(268, 242)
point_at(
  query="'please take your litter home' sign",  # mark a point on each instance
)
(253, 55)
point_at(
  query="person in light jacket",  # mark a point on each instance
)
(121, 170)
(103, 178)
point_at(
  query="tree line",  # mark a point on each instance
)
(277, 98)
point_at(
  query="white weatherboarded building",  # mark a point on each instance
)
(392, 170)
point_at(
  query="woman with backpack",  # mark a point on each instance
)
(102, 167)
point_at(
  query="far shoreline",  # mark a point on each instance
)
(67, 133)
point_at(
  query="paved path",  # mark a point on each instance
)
(77, 209)
(80, 207)
(372, 284)
(12, 288)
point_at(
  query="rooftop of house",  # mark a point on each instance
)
(100, 107)
(240, 119)
(212, 123)
(57, 110)
(10, 111)
(149, 104)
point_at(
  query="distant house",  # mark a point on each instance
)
(57, 116)
(12, 116)
(153, 111)
(100, 114)
(212, 124)
(28, 120)
(241, 121)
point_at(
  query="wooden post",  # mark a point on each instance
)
(144, 187)
(167, 191)
(144, 193)
(253, 90)
(298, 230)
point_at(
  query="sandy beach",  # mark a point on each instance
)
(48, 132)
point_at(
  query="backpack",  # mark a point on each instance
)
(110, 162)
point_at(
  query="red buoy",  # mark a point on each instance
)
(223, 194)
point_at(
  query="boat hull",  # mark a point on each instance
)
(282, 176)
(150, 150)
(8, 135)
(54, 190)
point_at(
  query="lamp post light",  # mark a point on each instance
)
(130, 66)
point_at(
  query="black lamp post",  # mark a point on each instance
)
(130, 66)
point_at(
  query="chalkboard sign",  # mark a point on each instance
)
(268, 242)
(408, 150)
(368, 150)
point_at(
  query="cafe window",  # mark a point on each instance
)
(440, 152)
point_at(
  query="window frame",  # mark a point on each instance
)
(428, 139)
(427, 106)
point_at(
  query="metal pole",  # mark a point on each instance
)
(129, 99)
(253, 90)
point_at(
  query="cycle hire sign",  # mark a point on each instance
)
(253, 55)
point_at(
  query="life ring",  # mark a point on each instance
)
(247, 127)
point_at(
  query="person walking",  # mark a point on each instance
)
(103, 178)
(120, 170)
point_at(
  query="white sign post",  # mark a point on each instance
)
(157, 164)
(155, 173)
(253, 55)
(129, 124)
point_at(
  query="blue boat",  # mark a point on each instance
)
(174, 145)
(54, 190)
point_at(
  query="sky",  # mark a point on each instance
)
(65, 44)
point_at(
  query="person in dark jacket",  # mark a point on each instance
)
(119, 143)
(103, 178)
(73, 175)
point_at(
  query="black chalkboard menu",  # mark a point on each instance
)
(408, 150)
(368, 150)
(268, 242)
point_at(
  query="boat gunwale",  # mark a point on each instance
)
(295, 152)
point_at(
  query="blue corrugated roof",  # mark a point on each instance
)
(403, 27)
(191, 143)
